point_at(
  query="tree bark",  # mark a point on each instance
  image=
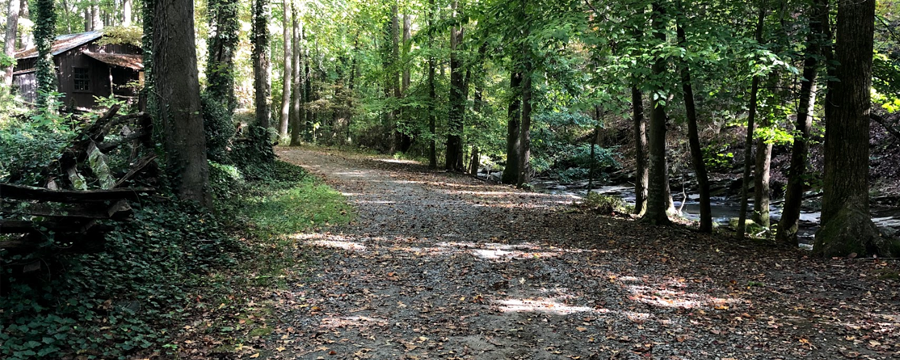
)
(405, 138)
(223, 21)
(261, 84)
(641, 172)
(96, 21)
(176, 91)
(847, 227)
(296, 112)
(513, 127)
(454, 158)
(393, 83)
(288, 72)
(126, 12)
(748, 150)
(793, 199)
(9, 41)
(525, 131)
(694, 140)
(656, 199)
(44, 34)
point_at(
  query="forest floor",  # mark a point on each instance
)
(443, 266)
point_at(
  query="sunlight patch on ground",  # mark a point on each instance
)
(352, 321)
(494, 251)
(548, 305)
(358, 173)
(329, 241)
(669, 295)
(397, 161)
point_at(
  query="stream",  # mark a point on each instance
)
(724, 207)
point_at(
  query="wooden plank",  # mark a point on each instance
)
(29, 227)
(120, 210)
(9, 191)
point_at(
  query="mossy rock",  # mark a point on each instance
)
(851, 231)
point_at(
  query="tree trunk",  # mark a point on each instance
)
(288, 72)
(223, 20)
(748, 150)
(88, 24)
(261, 83)
(405, 137)
(656, 199)
(44, 35)
(393, 84)
(513, 127)
(96, 21)
(308, 116)
(26, 38)
(296, 112)
(694, 140)
(9, 41)
(126, 12)
(641, 172)
(454, 158)
(176, 91)
(847, 227)
(793, 199)
(525, 131)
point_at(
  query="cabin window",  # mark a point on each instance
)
(82, 78)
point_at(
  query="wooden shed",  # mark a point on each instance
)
(84, 69)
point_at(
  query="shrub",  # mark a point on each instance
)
(219, 128)
(605, 204)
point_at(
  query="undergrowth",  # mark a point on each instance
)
(174, 264)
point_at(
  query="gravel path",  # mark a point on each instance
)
(442, 266)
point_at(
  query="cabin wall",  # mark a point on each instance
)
(26, 85)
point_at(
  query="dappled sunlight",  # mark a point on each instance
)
(352, 321)
(670, 294)
(547, 305)
(329, 241)
(398, 161)
(494, 251)
(355, 173)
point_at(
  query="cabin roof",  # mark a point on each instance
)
(62, 43)
(135, 62)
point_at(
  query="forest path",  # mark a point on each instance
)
(442, 266)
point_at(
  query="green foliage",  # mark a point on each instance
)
(122, 35)
(45, 21)
(717, 158)
(254, 155)
(218, 126)
(6, 60)
(28, 148)
(110, 304)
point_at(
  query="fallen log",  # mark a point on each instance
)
(9, 191)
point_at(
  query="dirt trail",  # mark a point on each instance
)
(442, 266)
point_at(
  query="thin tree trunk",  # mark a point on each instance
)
(88, 24)
(261, 83)
(656, 199)
(525, 131)
(641, 172)
(748, 150)
(307, 93)
(288, 72)
(393, 84)
(432, 95)
(847, 226)
(405, 138)
(296, 111)
(9, 41)
(694, 140)
(513, 127)
(457, 97)
(176, 90)
(223, 19)
(26, 38)
(793, 199)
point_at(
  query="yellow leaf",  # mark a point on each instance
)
(254, 356)
(581, 329)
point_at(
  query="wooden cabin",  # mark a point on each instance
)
(84, 69)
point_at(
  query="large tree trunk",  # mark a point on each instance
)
(454, 158)
(176, 91)
(261, 83)
(9, 41)
(847, 227)
(641, 172)
(793, 199)
(513, 126)
(126, 12)
(694, 140)
(656, 199)
(296, 113)
(748, 147)
(288, 72)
